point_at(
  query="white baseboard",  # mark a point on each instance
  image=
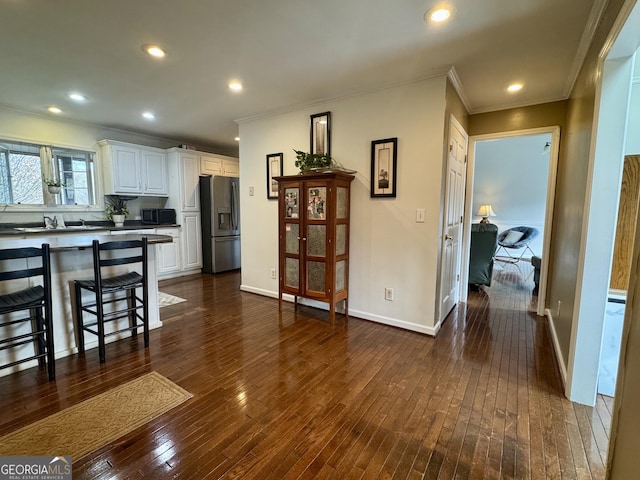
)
(414, 327)
(556, 348)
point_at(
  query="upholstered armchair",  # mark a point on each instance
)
(484, 241)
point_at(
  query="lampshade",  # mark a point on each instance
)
(485, 211)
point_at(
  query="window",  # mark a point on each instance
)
(24, 165)
(20, 174)
(75, 169)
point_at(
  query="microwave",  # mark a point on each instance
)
(158, 216)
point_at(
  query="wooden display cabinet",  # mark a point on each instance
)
(313, 226)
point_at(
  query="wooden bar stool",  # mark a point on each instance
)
(36, 300)
(106, 289)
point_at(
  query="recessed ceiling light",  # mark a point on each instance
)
(77, 97)
(235, 86)
(237, 139)
(154, 50)
(54, 109)
(149, 115)
(515, 87)
(438, 14)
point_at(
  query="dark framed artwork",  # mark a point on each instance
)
(384, 163)
(321, 133)
(274, 169)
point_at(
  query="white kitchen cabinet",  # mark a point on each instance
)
(191, 238)
(155, 174)
(185, 177)
(130, 169)
(210, 165)
(169, 256)
(231, 167)
(219, 165)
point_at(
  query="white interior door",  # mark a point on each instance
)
(453, 218)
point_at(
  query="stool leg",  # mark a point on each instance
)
(51, 353)
(100, 315)
(133, 311)
(145, 312)
(38, 339)
(79, 322)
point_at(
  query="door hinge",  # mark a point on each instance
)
(450, 147)
(458, 277)
(465, 159)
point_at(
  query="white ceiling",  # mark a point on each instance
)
(287, 53)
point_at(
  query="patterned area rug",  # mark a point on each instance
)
(89, 425)
(165, 299)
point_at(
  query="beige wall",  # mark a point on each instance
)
(387, 247)
(543, 115)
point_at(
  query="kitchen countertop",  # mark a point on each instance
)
(37, 229)
(80, 241)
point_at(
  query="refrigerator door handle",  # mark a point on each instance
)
(234, 208)
(226, 239)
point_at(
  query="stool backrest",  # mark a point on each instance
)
(138, 257)
(43, 270)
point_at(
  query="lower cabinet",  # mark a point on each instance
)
(191, 239)
(169, 255)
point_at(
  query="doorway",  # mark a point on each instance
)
(502, 184)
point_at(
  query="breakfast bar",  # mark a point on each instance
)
(71, 259)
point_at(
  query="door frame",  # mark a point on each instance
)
(548, 217)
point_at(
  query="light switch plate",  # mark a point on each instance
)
(419, 215)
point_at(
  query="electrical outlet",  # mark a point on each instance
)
(388, 294)
(251, 191)
(273, 273)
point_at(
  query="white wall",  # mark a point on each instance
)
(632, 146)
(55, 131)
(388, 248)
(511, 174)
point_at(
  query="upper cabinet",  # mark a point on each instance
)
(185, 177)
(134, 169)
(219, 165)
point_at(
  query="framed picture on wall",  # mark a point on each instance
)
(384, 159)
(274, 169)
(321, 133)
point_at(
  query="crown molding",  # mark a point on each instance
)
(597, 10)
(338, 98)
(452, 74)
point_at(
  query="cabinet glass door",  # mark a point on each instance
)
(292, 237)
(316, 203)
(292, 201)
(316, 240)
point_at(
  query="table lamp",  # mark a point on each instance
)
(485, 211)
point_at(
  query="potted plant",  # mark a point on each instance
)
(53, 185)
(310, 161)
(115, 209)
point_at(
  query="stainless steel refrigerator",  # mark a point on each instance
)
(220, 208)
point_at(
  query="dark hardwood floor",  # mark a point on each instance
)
(297, 398)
